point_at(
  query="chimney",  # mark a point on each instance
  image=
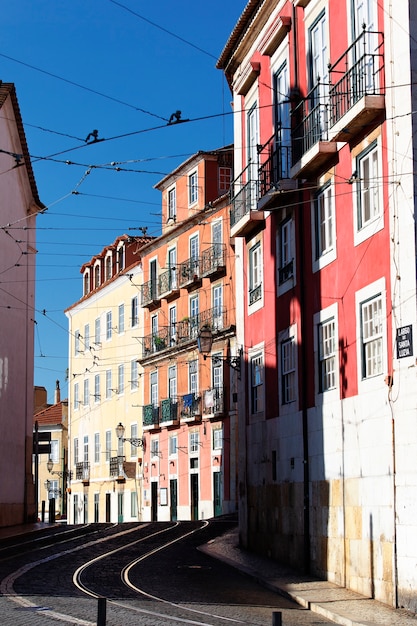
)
(57, 393)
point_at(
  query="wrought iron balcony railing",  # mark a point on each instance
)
(360, 77)
(311, 119)
(213, 401)
(189, 272)
(149, 292)
(255, 294)
(190, 406)
(213, 259)
(169, 410)
(276, 167)
(167, 282)
(150, 415)
(116, 466)
(245, 194)
(82, 470)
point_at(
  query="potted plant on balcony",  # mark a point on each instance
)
(159, 342)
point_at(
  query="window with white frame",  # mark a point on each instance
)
(76, 451)
(288, 371)
(97, 388)
(134, 311)
(77, 343)
(194, 319)
(285, 251)
(85, 449)
(193, 376)
(54, 456)
(120, 379)
(192, 188)
(327, 355)
(257, 382)
(172, 267)
(86, 283)
(120, 258)
(217, 438)
(154, 447)
(97, 275)
(154, 388)
(108, 266)
(324, 222)
(121, 324)
(173, 445)
(368, 184)
(172, 382)
(76, 396)
(97, 331)
(225, 179)
(372, 337)
(133, 435)
(134, 381)
(194, 442)
(86, 398)
(108, 325)
(217, 310)
(255, 273)
(108, 384)
(172, 203)
(108, 445)
(96, 447)
(172, 325)
(87, 336)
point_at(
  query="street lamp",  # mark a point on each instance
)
(62, 474)
(135, 441)
(204, 344)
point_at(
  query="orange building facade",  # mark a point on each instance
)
(189, 415)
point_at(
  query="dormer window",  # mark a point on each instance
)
(96, 276)
(120, 258)
(108, 267)
(86, 282)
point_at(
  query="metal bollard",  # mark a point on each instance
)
(277, 618)
(101, 612)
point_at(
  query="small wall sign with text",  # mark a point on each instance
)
(404, 342)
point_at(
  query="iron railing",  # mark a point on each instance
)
(189, 271)
(116, 465)
(150, 415)
(169, 410)
(190, 406)
(245, 194)
(149, 292)
(213, 259)
(82, 470)
(213, 401)
(311, 121)
(167, 282)
(275, 167)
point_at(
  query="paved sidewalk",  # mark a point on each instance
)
(335, 603)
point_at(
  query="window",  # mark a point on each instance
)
(324, 222)
(194, 442)
(172, 204)
(255, 274)
(85, 448)
(172, 262)
(96, 447)
(154, 388)
(108, 267)
(87, 336)
(54, 456)
(86, 398)
(77, 345)
(217, 296)
(154, 447)
(133, 435)
(121, 258)
(172, 382)
(97, 331)
(319, 79)
(192, 188)
(368, 186)
(285, 249)
(217, 438)
(76, 396)
(108, 445)
(288, 371)
(134, 375)
(173, 444)
(86, 283)
(282, 124)
(257, 379)
(172, 325)
(194, 318)
(120, 379)
(108, 384)
(76, 451)
(217, 238)
(97, 388)
(194, 254)
(192, 376)
(327, 355)
(252, 125)
(225, 179)
(121, 325)
(134, 312)
(108, 325)
(372, 337)
(96, 276)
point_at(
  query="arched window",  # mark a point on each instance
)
(96, 276)
(86, 283)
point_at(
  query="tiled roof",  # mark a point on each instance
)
(8, 89)
(52, 415)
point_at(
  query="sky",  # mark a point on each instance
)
(122, 69)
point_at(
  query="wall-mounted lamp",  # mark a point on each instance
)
(135, 441)
(62, 474)
(204, 344)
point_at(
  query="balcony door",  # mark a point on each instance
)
(319, 79)
(252, 157)
(281, 163)
(364, 15)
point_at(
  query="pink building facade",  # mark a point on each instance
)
(19, 206)
(323, 220)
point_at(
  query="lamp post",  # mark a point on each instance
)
(205, 343)
(135, 441)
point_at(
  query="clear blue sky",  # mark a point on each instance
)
(122, 68)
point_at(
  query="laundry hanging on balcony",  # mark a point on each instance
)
(188, 400)
(209, 399)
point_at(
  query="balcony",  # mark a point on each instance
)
(213, 402)
(169, 412)
(82, 471)
(156, 342)
(312, 152)
(244, 214)
(190, 408)
(117, 468)
(150, 298)
(168, 285)
(189, 274)
(213, 263)
(150, 417)
(274, 173)
(357, 98)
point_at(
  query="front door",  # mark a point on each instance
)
(173, 490)
(154, 502)
(194, 496)
(108, 507)
(120, 508)
(217, 493)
